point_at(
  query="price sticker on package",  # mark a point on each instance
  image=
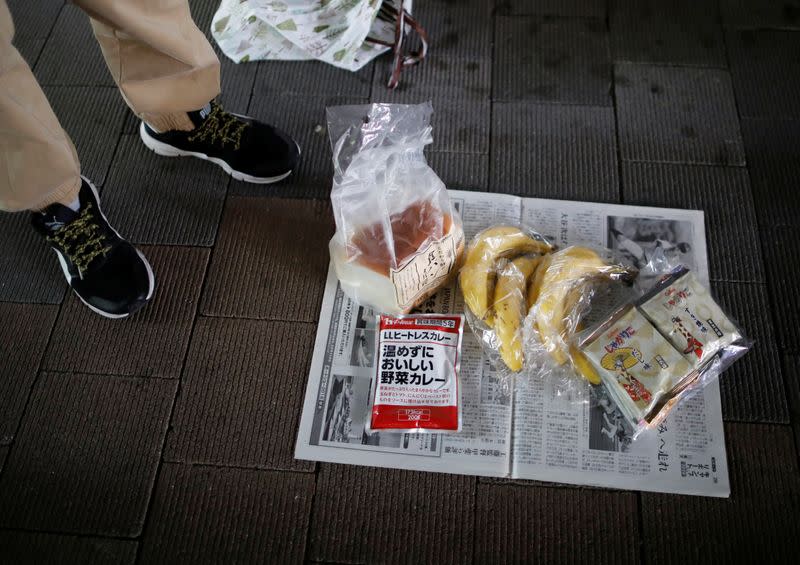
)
(416, 387)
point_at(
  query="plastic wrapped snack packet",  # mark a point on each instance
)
(683, 310)
(637, 365)
(416, 386)
(398, 238)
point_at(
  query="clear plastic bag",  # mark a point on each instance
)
(525, 299)
(661, 348)
(398, 238)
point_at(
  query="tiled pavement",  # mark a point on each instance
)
(170, 437)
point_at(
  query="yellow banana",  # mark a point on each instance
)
(583, 365)
(509, 308)
(568, 268)
(535, 283)
(479, 272)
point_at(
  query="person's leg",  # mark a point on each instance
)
(168, 74)
(40, 172)
(30, 135)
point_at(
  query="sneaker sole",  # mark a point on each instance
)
(150, 276)
(166, 150)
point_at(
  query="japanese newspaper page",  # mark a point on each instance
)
(525, 429)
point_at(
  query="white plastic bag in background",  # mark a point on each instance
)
(398, 238)
(344, 33)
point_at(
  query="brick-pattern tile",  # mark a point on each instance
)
(23, 548)
(752, 389)
(86, 455)
(304, 78)
(723, 193)
(302, 117)
(240, 402)
(453, 29)
(459, 170)
(784, 14)
(393, 513)
(163, 201)
(565, 152)
(93, 118)
(757, 519)
(466, 78)
(562, 61)
(677, 32)
(766, 72)
(152, 342)
(72, 55)
(218, 515)
(781, 247)
(24, 332)
(573, 8)
(30, 271)
(33, 19)
(534, 524)
(677, 115)
(271, 260)
(773, 157)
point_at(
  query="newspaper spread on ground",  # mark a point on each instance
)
(527, 430)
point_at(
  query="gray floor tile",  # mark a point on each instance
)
(677, 115)
(218, 515)
(302, 117)
(561, 61)
(72, 55)
(564, 152)
(792, 380)
(459, 126)
(3, 455)
(310, 78)
(456, 29)
(86, 456)
(93, 118)
(534, 524)
(682, 32)
(159, 200)
(460, 170)
(757, 519)
(723, 193)
(22, 548)
(270, 261)
(784, 14)
(766, 72)
(232, 410)
(365, 500)
(752, 389)
(30, 49)
(24, 334)
(30, 271)
(781, 247)
(465, 78)
(579, 8)
(153, 342)
(773, 157)
(33, 19)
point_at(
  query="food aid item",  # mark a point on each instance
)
(684, 311)
(398, 238)
(416, 386)
(638, 366)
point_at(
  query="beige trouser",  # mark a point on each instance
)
(162, 64)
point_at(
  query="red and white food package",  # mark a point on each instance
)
(416, 386)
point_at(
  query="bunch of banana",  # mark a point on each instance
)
(507, 273)
(500, 263)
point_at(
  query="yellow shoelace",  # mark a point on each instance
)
(220, 128)
(81, 240)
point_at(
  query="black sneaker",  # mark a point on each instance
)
(107, 273)
(247, 149)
